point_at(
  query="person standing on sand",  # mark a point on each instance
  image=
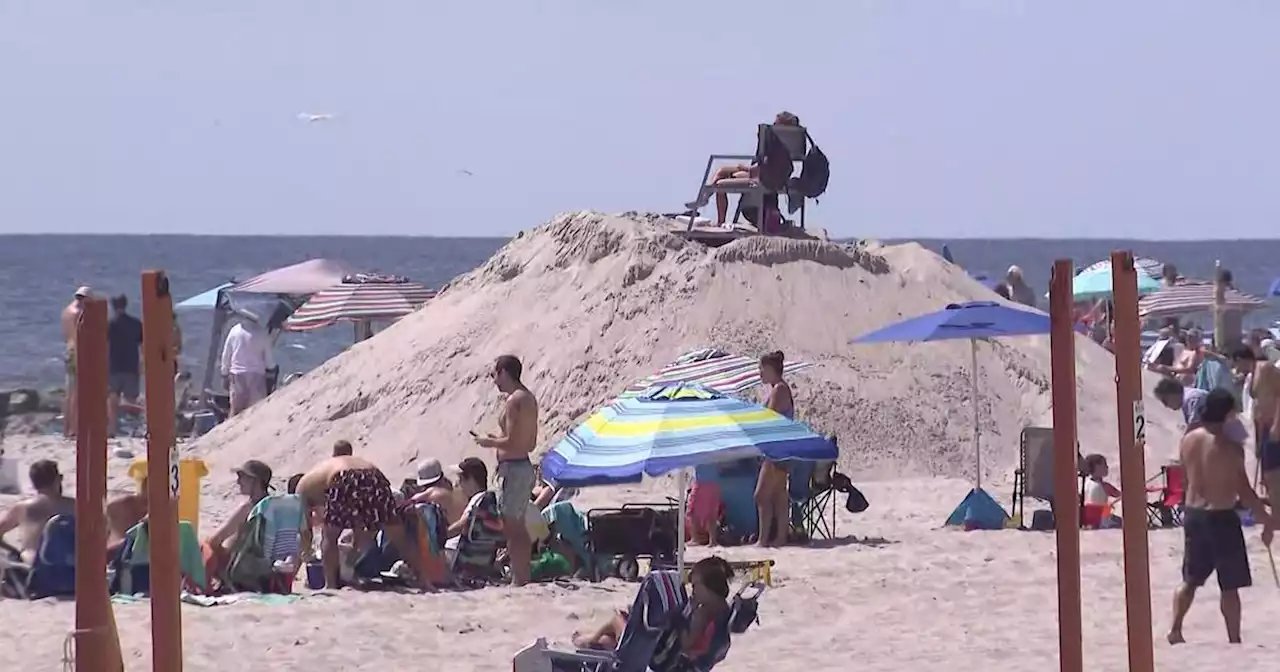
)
(773, 504)
(1019, 290)
(1265, 388)
(356, 496)
(246, 356)
(1214, 538)
(515, 478)
(70, 320)
(124, 359)
(29, 517)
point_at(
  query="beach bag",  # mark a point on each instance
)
(815, 173)
(857, 502)
(744, 612)
(250, 569)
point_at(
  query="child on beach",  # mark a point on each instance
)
(1098, 494)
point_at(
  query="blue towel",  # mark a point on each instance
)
(282, 521)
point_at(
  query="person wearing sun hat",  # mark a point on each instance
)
(254, 480)
(70, 320)
(437, 489)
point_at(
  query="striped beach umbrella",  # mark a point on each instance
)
(711, 368)
(1193, 297)
(360, 298)
(673, 426)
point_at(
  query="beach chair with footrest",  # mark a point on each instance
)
(1034, 475)
(659, 600)
(1169, 488)
(757, 193)
(53, 573)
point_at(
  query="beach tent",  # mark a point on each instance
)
(293, 283)
(972, 321)
(978, 511)
(716, 369)
(673, 427)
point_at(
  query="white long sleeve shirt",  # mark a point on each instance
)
(246, 350)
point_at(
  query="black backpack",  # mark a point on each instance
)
(815, 173)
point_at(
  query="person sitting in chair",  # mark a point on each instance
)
(30, 516)
(736, 171)
(1098, 492)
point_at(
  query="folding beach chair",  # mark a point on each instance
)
(1034, 476)
(476, 558)
(760, 192)
(53, 574)
(1166, 509)
(272, 534)
(131, 567)
(813, 508)
(744, 609)
(658, 602)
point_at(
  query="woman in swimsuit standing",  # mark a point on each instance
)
(772, 502)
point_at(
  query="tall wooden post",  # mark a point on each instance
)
(1133, 471)
(97, 648)
(162, 473)
(1062, 344)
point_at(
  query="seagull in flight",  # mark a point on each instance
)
(311, 118)
(464, 171)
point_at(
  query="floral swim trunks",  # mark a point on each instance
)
(359, 499)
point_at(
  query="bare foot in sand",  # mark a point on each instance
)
(1175, 637)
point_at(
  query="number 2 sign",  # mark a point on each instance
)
(1139, 422)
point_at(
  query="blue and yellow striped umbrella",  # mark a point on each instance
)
(672, 426)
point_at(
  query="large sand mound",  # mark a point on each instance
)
(592, 302)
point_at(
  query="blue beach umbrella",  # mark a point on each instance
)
(672, 426)
(973, 321)
(1095, 283)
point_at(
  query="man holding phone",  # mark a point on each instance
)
(518, 434)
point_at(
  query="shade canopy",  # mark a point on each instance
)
(977, 319)
(1096, 283)
(1144, 265)
(300, 279)
(361, 298)
(716, 369)
(1193, 297)
(1274, 289)
(206, 300)
(673, 426)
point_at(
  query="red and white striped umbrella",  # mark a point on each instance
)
(1193, 297)
(360, 298)
(715, 369)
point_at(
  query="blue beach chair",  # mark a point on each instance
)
(658, 602)
(53, 574)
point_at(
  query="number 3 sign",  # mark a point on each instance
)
(173, 471)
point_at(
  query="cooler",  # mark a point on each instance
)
(190, 472)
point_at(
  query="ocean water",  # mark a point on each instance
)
(38, 274)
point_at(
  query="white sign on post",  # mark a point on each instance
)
(173, 470)
(1139, 422)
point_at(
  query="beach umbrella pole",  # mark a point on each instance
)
(684, 505)
(973, 391)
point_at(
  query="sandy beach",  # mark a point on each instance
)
(594, 302)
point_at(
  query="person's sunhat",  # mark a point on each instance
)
(256, 470)
(429, 472)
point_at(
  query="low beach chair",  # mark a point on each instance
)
(812, 494)
(658, 602)
(1034, 475)
(744, 609)
(53, 574)
(475, 559)
(272, 533)
(1166, 509)
(131, 567)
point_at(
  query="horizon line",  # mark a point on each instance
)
(834, 239)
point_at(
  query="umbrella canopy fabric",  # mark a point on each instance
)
(977, 319)
(1097, 283)
(1196, 297)
(1145, 265)
(711, 368)
(300, 279)
(206, 300)
(1274, 290)
(360, 298)
(674, 426)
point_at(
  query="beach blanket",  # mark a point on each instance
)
(213, 601)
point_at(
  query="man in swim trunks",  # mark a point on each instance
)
(518, 434)
(356, 496)
(1265, 388)
(71, 320)
(1214, 538)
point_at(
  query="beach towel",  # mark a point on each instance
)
(281, 525)
(133, 564)
(430, 527)
(569, 523)
(479, 543)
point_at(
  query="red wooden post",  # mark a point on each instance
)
(1062, 345)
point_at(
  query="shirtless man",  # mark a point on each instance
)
(1266, 423)
(70, 320)
(773, 504)
(518, 434)
(123, 513)
(438, 490)
(1214, 539)
(356, 496)
(30, 516)
(733, 172)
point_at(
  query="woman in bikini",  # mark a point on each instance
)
(772, 502)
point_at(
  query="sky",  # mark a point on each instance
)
(942, 119)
